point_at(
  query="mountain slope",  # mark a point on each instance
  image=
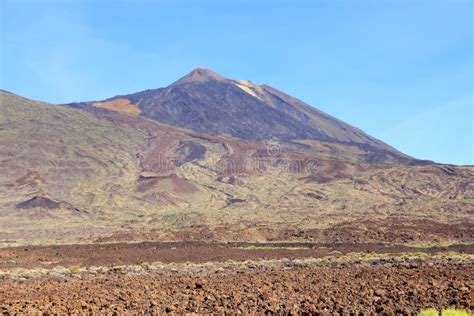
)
(206, 102)
(54, 163)
(69, 175)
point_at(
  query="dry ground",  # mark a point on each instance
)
(379, 289)
(216, 278)
(196, 252)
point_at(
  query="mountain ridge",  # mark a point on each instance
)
(205, 101)
(75, 175)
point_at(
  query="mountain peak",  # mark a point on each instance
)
(206, 102)
(200, 75)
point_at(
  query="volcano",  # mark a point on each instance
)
(214, 159)
(206, 102)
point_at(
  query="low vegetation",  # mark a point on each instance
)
(74, 269)
(444, 312)
(333, 258)
(253, 247)
(437, 244)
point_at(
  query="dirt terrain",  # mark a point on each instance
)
(197, 277)
(380, 289)
(197, 252)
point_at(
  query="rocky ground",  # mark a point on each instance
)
(218, 278)
(136, 253)
(380, 289)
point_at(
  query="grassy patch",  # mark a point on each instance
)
(455, 312)
(74, 269)
(119, 269)
(429, 312)
(230, 266)
(26, 275)
(439, 244)
(444, 312)
(243, 266)
(253, 247)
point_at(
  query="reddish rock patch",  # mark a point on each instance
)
(119, 105)
(173, 182)
(358, 289)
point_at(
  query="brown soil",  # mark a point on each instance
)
(356, 231)
(389, 230)
(381, 290)
(180, 252)
(119, 105)
(178, 185)
(383, 286)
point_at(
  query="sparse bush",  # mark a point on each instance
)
(156, 266)
(405, 257)
(454, 312)
(74, 269)
(100, 270)
(60, 270)
(26, 274)
(429, 312)
(220, 270)
(252, 247)
(119, 269)
(420, 254)
(444, 312)
(134, 269)
(243, 266)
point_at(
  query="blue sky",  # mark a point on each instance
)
(402, 71)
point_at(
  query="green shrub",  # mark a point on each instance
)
(327, 259)
(429, 312)
(74, 268)
(444, 312)
(243, 266)
(252, 247)
(26, 274)
(454, 312)
(120, 269)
